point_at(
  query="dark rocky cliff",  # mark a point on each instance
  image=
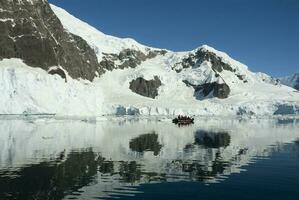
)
(146, 88)
(220, 91)
(129, 58)
(197, 58)
(29, 30)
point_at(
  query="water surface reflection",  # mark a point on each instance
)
(72, 159)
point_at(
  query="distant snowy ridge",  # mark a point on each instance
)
(292, 81)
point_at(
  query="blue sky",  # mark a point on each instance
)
(263, 34)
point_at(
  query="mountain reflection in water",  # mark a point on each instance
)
(211, 139)
(146, 142)
(69, 159)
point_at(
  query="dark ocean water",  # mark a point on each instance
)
(146, 159)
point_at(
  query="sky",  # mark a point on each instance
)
(263, 34)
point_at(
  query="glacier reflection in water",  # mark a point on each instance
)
(44, 158)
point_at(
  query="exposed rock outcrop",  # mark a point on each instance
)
(147, 88)
(208, 57)
(29, 30)
(219, 90)
(202, 55)
(128, 58)
(59, 72)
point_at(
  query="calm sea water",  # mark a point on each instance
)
(44, 158)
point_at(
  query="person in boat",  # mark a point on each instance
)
(183, 117)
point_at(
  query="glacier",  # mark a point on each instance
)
(27, 90)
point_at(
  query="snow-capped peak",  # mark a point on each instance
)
(292, 81)
(105, 44)
(99, 41)
(224, 56)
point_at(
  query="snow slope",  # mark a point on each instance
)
(99, 41)
(26, 90)
(33, 91)
(255, 97)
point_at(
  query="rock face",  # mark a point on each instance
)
(147, 88)
(59, 72)
(29, 30)
(214, 65)
(128, 58)
(221, 90)
(200, 56)
(218, 90)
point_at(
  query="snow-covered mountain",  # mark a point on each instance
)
(31, 31)
(130, 78)
(292, 81)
